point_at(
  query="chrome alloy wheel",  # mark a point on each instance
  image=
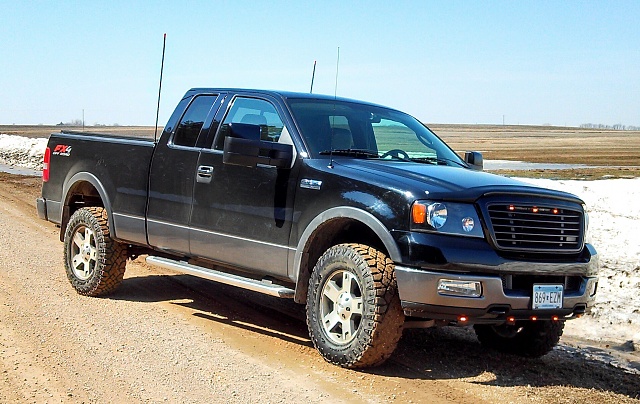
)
(84, 253)
(341, 307)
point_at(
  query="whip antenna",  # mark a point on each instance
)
(333, 118)
(313, 76)
(155, 134)
(335, 91)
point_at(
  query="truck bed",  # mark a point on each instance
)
(117, 166)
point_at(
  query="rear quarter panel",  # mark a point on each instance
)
(117, 166)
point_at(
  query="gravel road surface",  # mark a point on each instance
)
(165, 337)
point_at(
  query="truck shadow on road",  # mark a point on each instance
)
(429, 354)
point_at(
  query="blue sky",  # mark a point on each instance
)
(533, 62)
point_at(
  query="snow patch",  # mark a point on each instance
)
(22, 151)
(614, 213)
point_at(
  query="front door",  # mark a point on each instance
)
(242, 216)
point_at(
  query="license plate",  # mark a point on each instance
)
(547, 297)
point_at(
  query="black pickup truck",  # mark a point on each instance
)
(356, 210)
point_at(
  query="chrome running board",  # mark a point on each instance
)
(255, 285)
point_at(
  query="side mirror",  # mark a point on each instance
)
(243, 147)
(474, 159)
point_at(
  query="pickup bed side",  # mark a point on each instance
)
(99, 170)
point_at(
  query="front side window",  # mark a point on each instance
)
(255, 112)
(192, 121)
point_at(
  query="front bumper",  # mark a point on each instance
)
(419, 294)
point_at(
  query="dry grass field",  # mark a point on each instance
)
(46, 130)
(612, 153)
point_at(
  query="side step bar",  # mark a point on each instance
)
(255, 285)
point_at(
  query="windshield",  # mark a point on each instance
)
(343, 128)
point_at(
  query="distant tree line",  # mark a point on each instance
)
(78, 122)
(617, 126)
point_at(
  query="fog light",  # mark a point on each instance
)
(453, 287)
(468, 224)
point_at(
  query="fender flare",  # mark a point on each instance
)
(93, 180)
(344, 212)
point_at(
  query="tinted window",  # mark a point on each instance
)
(255, 112)
(193, 120)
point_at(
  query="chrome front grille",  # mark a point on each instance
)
(533, 228)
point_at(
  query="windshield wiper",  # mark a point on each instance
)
(438, 160)
(351, 152)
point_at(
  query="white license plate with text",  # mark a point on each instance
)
(547, 297)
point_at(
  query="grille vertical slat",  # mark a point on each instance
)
(536, 228)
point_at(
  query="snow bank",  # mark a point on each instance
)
(22, 151)
(614, 212)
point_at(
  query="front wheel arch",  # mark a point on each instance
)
(328, 229)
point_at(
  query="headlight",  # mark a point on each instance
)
(446, 217)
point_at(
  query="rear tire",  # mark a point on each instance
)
(353, 310)
(94, 262)
(531, 339)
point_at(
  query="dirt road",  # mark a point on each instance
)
(165, 337)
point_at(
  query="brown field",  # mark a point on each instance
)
(613, 153)
(46, 130)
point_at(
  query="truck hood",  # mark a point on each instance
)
(446, 182)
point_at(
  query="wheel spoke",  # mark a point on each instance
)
(347, 281)
(356, 305)
(77, 261)
(330, 321)
(331, 291)
(88, 236)
(349, 328)
(78, 240)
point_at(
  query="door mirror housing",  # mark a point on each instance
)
(474, 159)
(243, 147)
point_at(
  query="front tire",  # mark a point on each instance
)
(353, 310)
(531, 339)
(94, 262)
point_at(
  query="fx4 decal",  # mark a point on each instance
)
(62, 150)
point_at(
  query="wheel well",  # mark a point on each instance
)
(82, 194)
(330, 233)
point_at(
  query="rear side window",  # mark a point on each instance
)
(192, 121)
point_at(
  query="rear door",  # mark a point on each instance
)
(242, 215)
(172, 176)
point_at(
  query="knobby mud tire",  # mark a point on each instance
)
(381, 319)
(94, 262)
